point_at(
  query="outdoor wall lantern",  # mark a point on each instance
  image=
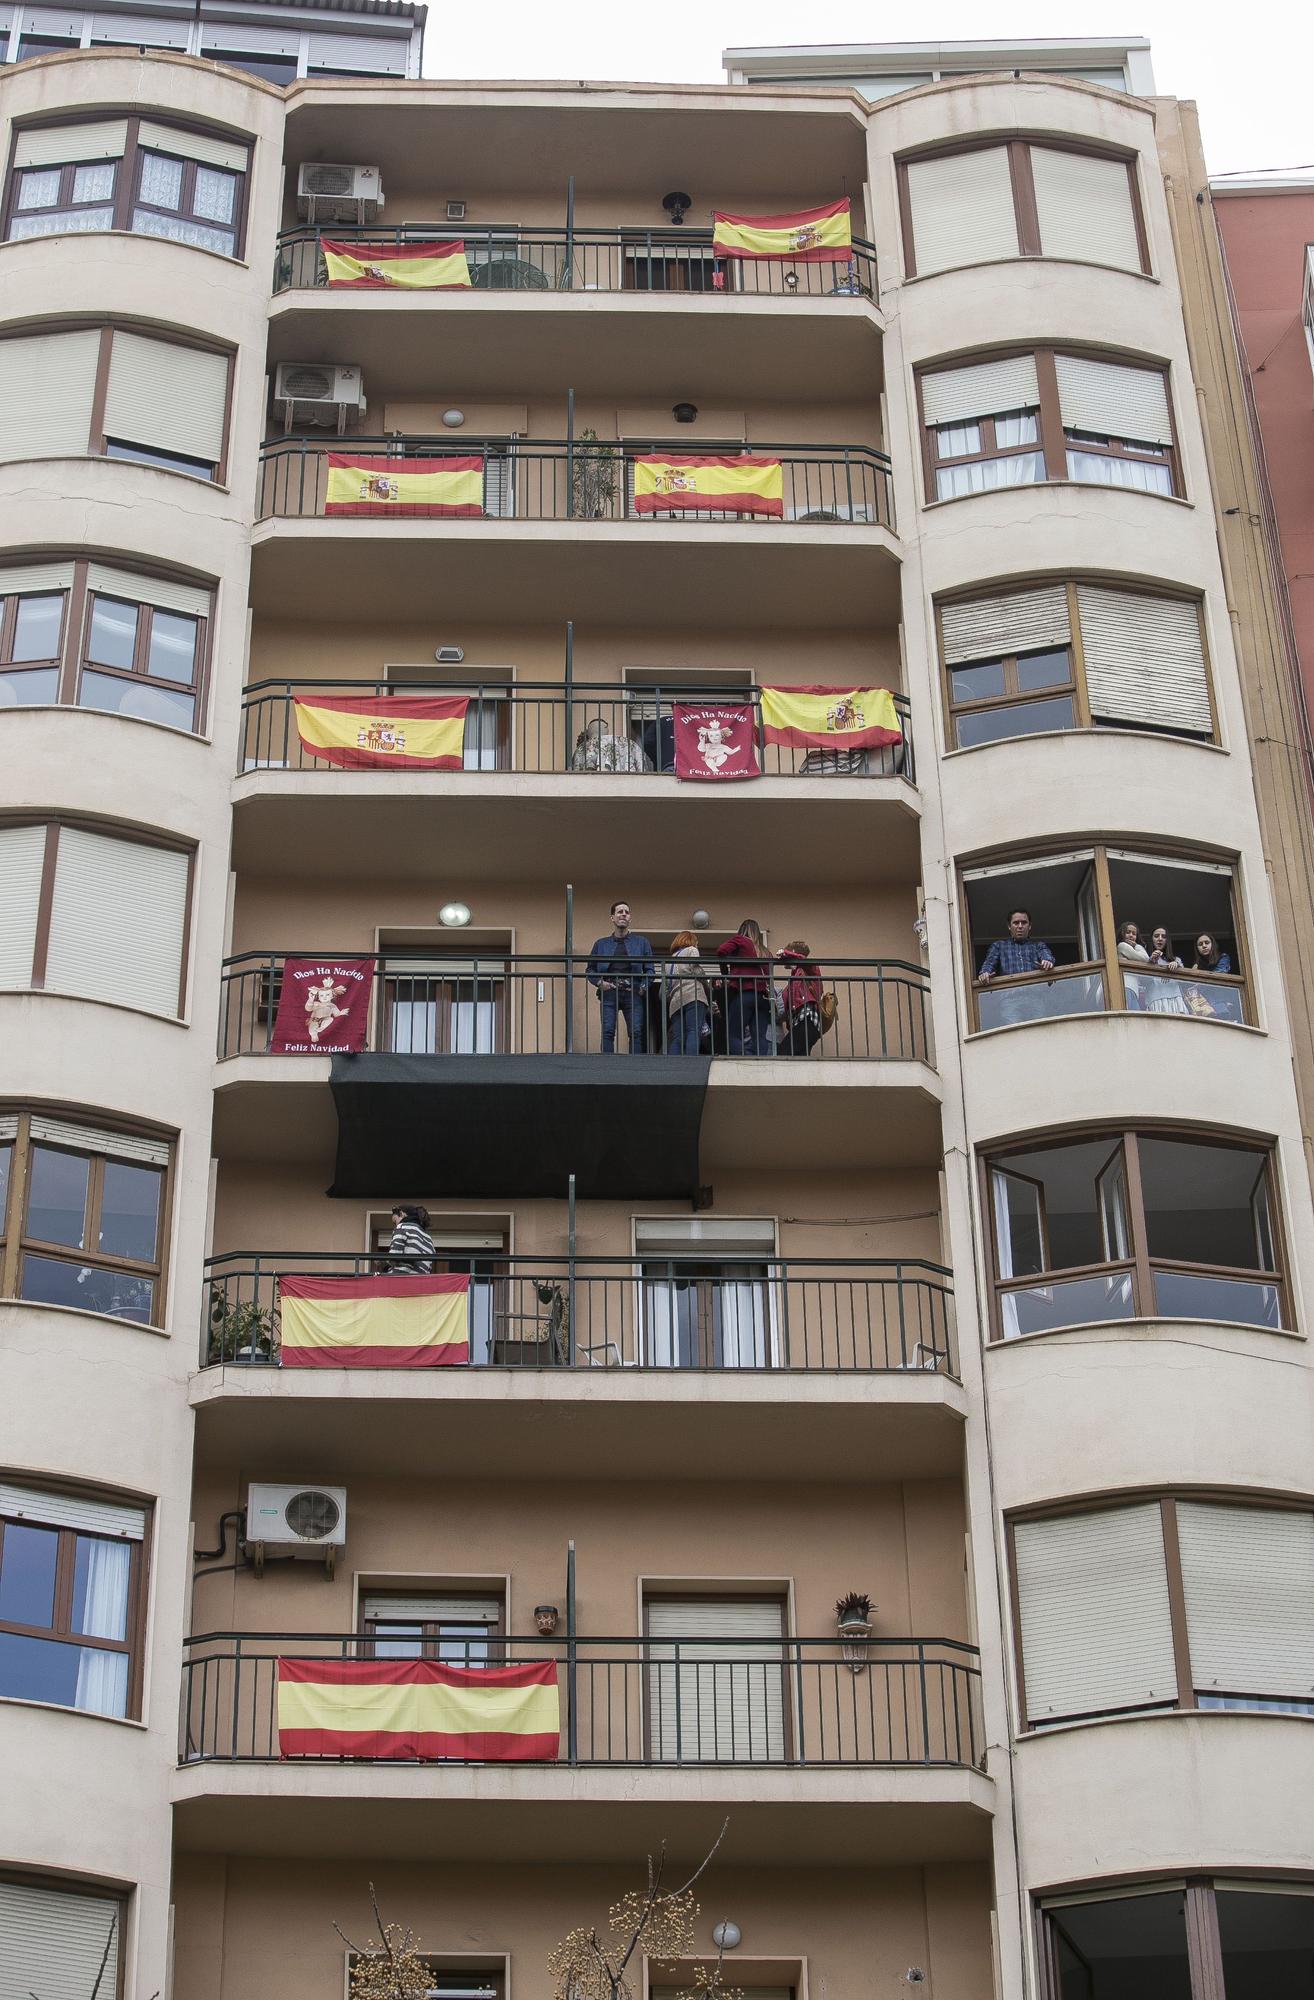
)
(685, 413)
(726, 1936)
(545, 1618)
(453, 419)
(454, 915)
(676, 204)
(853, 1617)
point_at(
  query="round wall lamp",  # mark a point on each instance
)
(676, 204)
(453, 419)
(685, 413)
(700, 920)
(726, 1936)
(454, 915)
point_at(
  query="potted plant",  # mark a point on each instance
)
(853, 1617)
(593, 478)
(240, 1330)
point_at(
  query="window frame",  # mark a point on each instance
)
(139, 671)
(373, 1629)
(1167, 1500)
(133, 1644)
(75, 632)
(15, 1242)
(127, 180)
(1140, 1262)
(1026, 216)
(1204, 1951)
(1053, 442)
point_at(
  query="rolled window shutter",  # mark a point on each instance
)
(116, 929)
(59, 145)
(1249, 1579)
(73, 1510)
(1096, 1631)
(456, 1610)
(36, 576)
(723, 1702)
(985, 627)
(962, 395)
(189, 598)
(1084, 205)
(52, 1943)
(369, 53)
(167, 398)
(1113, 401)
(22, 853)
(1144, 660)
(962, 209)
(135, 1146)
(8, 1125)
(211, 151)
(47, 384)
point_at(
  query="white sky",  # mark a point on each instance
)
(1251, 69)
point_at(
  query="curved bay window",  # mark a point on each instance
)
(1044, 415)
(1076, 952)
(130, 174)
(1187, 1939)
(88, 635)
(83, 1216)
(70, 1600)
(1133, 1225)
(981, 202)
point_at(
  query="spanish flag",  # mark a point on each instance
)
(394, 1320)
(821, 717)
(410, 267)
(412, 486)
(367, 732)
(813, 236)
(664, 484)
(419, 1709)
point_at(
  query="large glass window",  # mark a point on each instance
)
(141, 650)
(436, 1625)
(1192, 1940)
(68, 1600)
(31, 644)
(130, 174)
(1126, 1225)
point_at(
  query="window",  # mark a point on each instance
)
(108, 392)
(83, 1216)
(454, 1008)
(98, 915)
(1192, 1940)
(70, 1589)
(1024, 419)
(131, 174)
(497, 1325)
(54, 1940)
(716, 1680)
(1019, 198)
(273, 68)
(1122, 1226)
(1184, 960)
(1164, 1603)
(144, 641)
(434, 1625)
(457, 1976)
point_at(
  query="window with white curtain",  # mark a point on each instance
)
(69, 1583)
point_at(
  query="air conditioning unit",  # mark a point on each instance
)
(456, 211)
(318, 392)
(296, 1521)
(327, 192)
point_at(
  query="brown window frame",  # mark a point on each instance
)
(431, 1629)
(140, 670)
(15, 1242)
(75, 633)
(441, 992)
(46, 903)
(104, 1892)
(1202, 1935)
(1140, 1264)
(1025, 213)
(1053, 441)
(1167, 1502)
(128, 168)
(1111, 967)
(132, 1645)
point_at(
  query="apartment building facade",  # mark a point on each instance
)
(357, 408)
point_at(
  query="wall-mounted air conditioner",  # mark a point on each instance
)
(318, 392)
(296, 1520)
(328, 192)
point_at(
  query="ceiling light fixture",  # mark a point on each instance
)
(454, 915)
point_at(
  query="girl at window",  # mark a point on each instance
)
(1208, 958)
(1161, 950)
(1130, 947)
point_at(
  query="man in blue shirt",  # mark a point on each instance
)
(1018, 952)
(621, 966)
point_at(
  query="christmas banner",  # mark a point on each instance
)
(412, 267)
(822, 717)
(419, 1709)
(667, 484)
(434, 487)
(395, 1319)
(370, 732)
(323, 1006)
(812, 236)
(714, 743)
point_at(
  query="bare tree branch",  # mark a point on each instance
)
(703, 1863)
(104, 1957)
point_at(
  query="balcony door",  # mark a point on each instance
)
(457, 1008)
(707, 1297)
(482, 1259)
(716, 1680)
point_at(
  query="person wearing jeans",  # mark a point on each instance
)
(688, 1008)
(747, 973)
(621, 968)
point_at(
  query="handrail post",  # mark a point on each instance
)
(237, 1682)
(898, 1293)
(572, 1660)
(800, 1754)
(570, 454)
(569, 284)
(926, 1720)
(570, 968)
(569, 1354)
(784, 1317)
(570, 687)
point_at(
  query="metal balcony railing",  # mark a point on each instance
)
(536, 1004)
(825, 485)
(813, 1315)
(646, 1703)
(506, 257)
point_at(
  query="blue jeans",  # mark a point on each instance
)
(748, 1020)
(628, 997)
(684, 1037)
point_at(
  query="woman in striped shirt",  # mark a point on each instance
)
(411, 1246)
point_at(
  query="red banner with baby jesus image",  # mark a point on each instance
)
(323, 1006)
(714, 742)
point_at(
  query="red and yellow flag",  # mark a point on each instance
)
(366, 732)
(669, 484)
(820, 717)
(413, 486)
(812, 236)
(419, 1709)
(411, 267)
(395, 1320)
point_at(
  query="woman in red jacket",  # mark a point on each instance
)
(747, 973)
(800, 1002)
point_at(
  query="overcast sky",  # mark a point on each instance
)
(1251, 69)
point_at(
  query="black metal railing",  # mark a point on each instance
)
(825, 485)
(522, 1003)
(812, 1315)
(656, 1703)
(506, 257)
(543, 727)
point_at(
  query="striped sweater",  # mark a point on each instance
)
(411, 1248)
